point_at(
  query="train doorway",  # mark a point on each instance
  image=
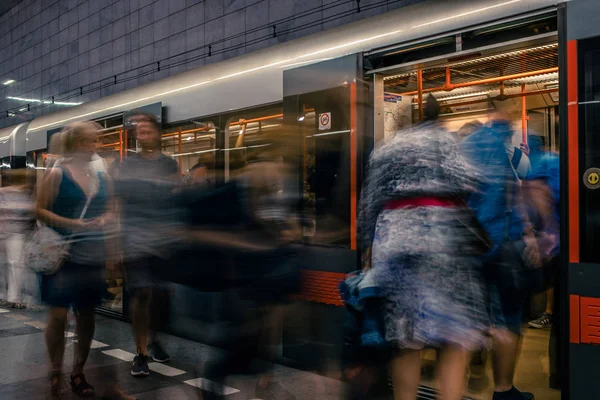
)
(473, 79)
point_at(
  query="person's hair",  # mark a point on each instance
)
(148, 118)
(431, 109)
(74, 132)
(470, 128)
(56, 145)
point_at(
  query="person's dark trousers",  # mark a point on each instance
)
(555, 336)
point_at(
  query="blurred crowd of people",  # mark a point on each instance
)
(457, 234)
(454, 232)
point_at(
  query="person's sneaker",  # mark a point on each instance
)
(513, 394)
(140, 366)
(543, 321)
(158, 353)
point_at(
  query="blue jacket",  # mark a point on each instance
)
(356, 291)
(486, 150)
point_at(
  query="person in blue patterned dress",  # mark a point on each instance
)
(426, 251)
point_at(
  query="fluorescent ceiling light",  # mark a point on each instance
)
(9, 82)
(60, 103)
(466, 13)
(463, 96)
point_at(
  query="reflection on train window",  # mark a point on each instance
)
(247, 134)
(193, 144)
(326, 169)
(589, 124)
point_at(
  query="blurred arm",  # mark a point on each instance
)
(46, 197)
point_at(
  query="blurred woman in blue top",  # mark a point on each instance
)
(73, 200)
(487, 151)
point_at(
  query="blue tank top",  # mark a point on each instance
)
(87, 247)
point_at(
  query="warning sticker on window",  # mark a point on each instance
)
(325, 121)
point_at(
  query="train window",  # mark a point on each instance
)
(325, 126)
(193, 144)
(247, 133)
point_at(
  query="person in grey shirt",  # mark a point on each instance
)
(145, 186)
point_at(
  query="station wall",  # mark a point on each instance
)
(81, 50)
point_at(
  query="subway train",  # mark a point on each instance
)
(343, 90)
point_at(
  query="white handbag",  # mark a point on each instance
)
(45, 249)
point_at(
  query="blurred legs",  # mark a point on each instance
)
(406, 372)
(55, 337)
(14, 246)
(86, 325)
(451, 372)
(505, 350)
(141, 319)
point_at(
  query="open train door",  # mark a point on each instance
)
(580, 134)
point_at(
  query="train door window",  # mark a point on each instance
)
(248, 134)
(325, 126)
(193, 144)
(589, 125)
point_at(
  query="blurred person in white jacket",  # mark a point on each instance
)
(16, 219)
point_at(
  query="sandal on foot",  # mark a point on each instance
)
(55, 386)
(80, 386)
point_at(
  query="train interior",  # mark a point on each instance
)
(520, 81)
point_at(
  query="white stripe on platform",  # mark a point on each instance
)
(3, 310)
(98, 345)
(37, 324)
(69, 334)
(18, 317)
(211, 386)
(165, 369)
(120, 354)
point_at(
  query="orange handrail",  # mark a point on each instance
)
(247, 121)
(483, 81)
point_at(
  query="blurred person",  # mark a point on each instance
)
(425, 251)
(203, 172)
(542, 191)
(16, 219)
(487, 150)
(145, 184)
(266, 274)
(73, 199)
(477, 368)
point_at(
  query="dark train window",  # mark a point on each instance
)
(589, 145)
(326, 170)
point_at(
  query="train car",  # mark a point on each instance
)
(342, 91)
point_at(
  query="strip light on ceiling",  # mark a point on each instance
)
(60, 103)
(273, 64)
(463, 96)
(504, 55)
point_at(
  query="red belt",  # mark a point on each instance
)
(422, 202)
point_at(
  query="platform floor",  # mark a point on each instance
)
(24, 366)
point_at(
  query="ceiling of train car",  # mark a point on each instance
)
(6, 5)
(496, 80)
